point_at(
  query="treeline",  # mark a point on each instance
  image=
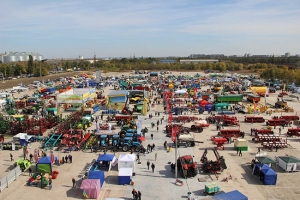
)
(281, 72)
(291, 61)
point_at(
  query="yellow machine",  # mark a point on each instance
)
(257, 90)
(217, 87)
(171, 85)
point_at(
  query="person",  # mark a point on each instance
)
(50, 184)
(140, 195)
(66, 159)
(157, 123)
(11, 157)
(276, 147)
(153, 167)
(30, 171)
(73, 181)
(152, 135)
(148, 164)
(138, 157)
(157, 128)
(134, 193)
(279, 130)
(155, 156)
(165, 144)
(153, 146)
(240, 153)
(70, 158)
(31, 157)
(237, 151)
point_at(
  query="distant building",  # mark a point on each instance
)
(207, 56)
(199, 61)
(288, 54)
(20, 56)
(167, 61)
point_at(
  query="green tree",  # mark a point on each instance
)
(30, 65)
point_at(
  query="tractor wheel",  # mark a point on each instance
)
(195, 172)
(188, 144)
(200, 129)
(192, 144)
(137, 149)
(125, 148)
(193, 128)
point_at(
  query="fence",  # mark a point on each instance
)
(10, 177)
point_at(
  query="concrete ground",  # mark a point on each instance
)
(161, 184)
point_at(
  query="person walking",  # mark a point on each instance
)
(157, 128)
(152, 167)
(134, 194)
(50, 184)
(30, 171)
(161, 120)
(74, 182)
(240, 153)
(138, 157)
(155, 156)
(157, 123)
(140, 195)
(148, 164)
(152, 135)
(153, 146)
(11, 157)
(279, 130)
(237, 151)
(66, 159)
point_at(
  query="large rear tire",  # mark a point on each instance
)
(125, 148)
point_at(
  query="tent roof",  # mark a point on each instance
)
(236, 195)
(44, 160)
(269, 172)
(222, 104)
(105, 157)
(265, 159)
(89, 183)
(95, 174)
(289, 159)
(127, 157)
(119, 93)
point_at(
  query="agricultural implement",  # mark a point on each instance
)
(289, 117)
(219, 142)
(254, 119)
(184, 119)
(293, 132)
(228, 133)
(213, 166)
(52, 141)
(187, 167)
(180, 129)
(277, 122)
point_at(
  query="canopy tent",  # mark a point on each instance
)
(99, 175)
(259, 167)
(222, 106)
(265, 160)
(125, 175)
(91, 188)
(44, 165)
(127, 161)
(270, 177)
(108, 158)
(180, 91)
(288, 163)
(236, 195)
(203, 102)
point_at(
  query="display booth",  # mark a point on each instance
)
(107, 158)
(99, 175)
(242, 144)
(91, 188)
(222, 106)
(288, 163)
(124, 176)
(265, 160)
(44, 165)
(75, 98)
(127, 161)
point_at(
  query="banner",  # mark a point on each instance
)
(174, 134)
(139, 126)
(170, 118)
(168, 108)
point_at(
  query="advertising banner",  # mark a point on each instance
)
(174, 134)
(170, 118)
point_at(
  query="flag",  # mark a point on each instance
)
(170, 118)
(52, 157)
(36, 157)
(174, 134)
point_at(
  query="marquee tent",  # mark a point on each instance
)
(265, 160)
(91, 187)
(288, 163)
(99, 175)
(270, 177)
(107, 157)
(44, 164)
(125, 175)
(127, 161)
(236, 195)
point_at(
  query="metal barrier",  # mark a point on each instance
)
(10, 177)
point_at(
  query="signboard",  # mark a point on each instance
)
(98, 76)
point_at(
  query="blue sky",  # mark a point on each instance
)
(120, 28)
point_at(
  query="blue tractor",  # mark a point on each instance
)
(115, 141)
(103, 141)
(129, 143)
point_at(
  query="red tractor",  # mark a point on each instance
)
(180, 129)
(198, 126)
(126, 111)
(187, 167)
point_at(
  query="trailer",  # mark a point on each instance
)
(290, 117)
(231, 98)
(277, 122)
(228, 133)
(253, 98)
(293, 132)
(254, 119)
(219, 142)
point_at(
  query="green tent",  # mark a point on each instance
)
(289, 159)
(222, 106)
(265, 160)
(44, 165)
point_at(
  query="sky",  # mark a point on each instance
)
(156, 28)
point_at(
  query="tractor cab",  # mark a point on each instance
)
(115, 140)
(131, 131)
(103, 140)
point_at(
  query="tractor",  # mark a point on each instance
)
(130, 143)
(187, 167)
(103, 141)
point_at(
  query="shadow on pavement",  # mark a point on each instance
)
(249, 177)
(75, 193)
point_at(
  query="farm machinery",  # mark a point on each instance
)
(254, 119)
(213, 166)
(198, 125)
(293, 132)
(277, 122)
(180, 129)
(219, 142)
(187, 167)
(227, 120)
(228, 133)
(184, 119)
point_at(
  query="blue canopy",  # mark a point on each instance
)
(105, 157)
(235, 194)
(44, 160)
(97, 175)
(260, 165)
(270, 177)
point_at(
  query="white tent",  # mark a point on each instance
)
(2, 102)
(127, 161)
(180, 91)
(124, 176)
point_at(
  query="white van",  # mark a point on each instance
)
(4, 95)
(36, 82)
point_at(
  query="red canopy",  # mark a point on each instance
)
(203, 103)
